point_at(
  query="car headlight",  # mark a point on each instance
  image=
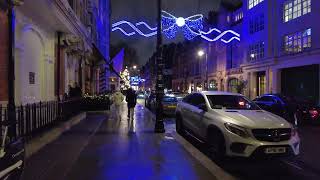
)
(238, 130)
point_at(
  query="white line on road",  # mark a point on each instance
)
(292, 165)
(218, 172)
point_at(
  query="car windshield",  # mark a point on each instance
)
(231, 102)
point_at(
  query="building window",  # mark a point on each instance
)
(296, 8)
(256, 51)
(233, 85)
(256, 24)
(253, 3)
(297, 42)
(238, 17)
(228, 18)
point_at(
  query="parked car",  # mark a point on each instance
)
(295, 110)
(169, 104)
(232, 125)
(12, 155)
(178, 95)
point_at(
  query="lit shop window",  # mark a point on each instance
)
(253, 3)
(297, 42)
(296, 8)
(256, 51)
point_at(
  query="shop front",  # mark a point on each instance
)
(301, 82)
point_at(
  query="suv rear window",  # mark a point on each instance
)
(231, 102)
(169, 99)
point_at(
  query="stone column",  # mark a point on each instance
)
(268, 83)
(276, 81)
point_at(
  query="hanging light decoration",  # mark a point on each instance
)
(191, 27)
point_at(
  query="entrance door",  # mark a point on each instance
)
(261, 83)
(301, 82)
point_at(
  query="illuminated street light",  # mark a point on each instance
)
(201, 53)
(134, 67)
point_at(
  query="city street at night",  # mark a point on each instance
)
(101, 147)
(159, 90)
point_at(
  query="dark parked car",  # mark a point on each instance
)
(169, 104)
(295, 110)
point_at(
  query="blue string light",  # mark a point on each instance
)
(191, 27)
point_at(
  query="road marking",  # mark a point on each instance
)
(292, 164)
(215, 170)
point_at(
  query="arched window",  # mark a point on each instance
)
(233, 84)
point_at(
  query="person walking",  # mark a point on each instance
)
(131, 99)
(117, 99)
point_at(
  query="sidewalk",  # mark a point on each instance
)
(100, 147)
(116, 154)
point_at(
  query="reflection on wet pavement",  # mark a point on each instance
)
(102, 147)
(136, 155)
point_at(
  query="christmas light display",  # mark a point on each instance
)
(191, 27)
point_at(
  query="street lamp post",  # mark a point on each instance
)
(159, 125)
(202, 53)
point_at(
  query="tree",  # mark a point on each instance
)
(241, 86)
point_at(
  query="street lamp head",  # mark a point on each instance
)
(201, 53)
(134, 67)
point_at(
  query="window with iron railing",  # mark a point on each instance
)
(297, 42)
(256, 51)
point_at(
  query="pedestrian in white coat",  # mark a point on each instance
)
(117, 99)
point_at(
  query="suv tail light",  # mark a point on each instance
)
(314, 113)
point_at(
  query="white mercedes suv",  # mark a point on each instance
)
(232, 125)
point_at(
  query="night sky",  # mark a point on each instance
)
(145, 10)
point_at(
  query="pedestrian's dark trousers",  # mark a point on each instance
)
(130, 108)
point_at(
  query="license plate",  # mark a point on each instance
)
(171, 106)
(275, 150)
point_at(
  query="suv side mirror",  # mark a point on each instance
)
(203, 107)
